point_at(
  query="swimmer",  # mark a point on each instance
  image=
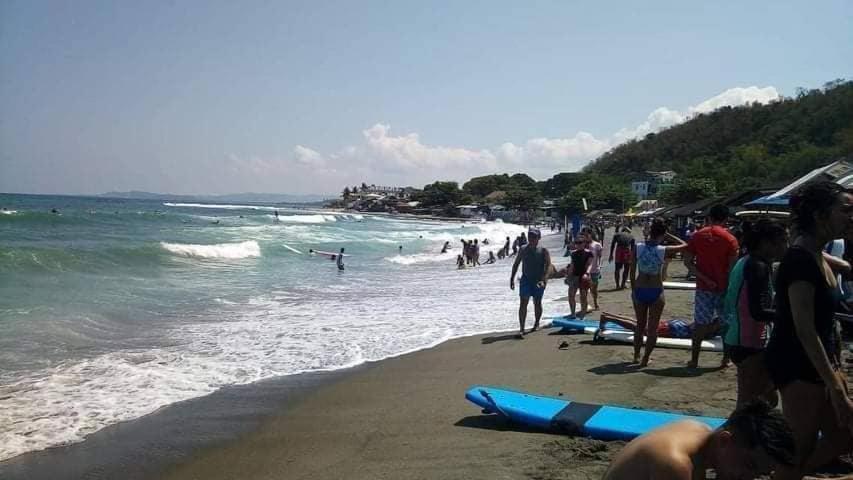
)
(341, 260)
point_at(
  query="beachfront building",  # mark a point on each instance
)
(468, 210)
(650, 184)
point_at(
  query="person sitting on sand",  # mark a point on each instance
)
(535, 266)
(754, 440)
(492, 258)
(647, 286)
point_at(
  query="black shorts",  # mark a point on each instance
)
(739, 354)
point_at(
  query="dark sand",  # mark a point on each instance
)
(407, 417)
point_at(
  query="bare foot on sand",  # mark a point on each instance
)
(645, 363)
(692, 364)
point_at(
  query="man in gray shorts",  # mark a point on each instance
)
(535, 265)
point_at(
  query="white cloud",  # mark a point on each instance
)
(405, 159)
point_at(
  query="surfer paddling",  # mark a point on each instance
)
(754, 440)
(535, 264)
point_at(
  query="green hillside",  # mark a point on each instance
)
(746, 146)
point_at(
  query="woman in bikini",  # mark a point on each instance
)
(647, 285)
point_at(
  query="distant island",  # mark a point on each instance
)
(232, 197)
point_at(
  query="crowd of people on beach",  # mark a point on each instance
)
(773, 292)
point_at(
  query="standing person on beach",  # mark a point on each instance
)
(710, 256)
(506, 247)
(647, 285)
(749, 310)
(595, 270)
(753, 441)
(535, 265)
(578, 275)
(623, 243)
(804, 352)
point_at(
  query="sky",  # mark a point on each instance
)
(213, 97)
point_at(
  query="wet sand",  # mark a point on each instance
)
(407, 417)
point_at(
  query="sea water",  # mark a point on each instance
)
(111, 309)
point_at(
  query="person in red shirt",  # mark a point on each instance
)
(710, 255)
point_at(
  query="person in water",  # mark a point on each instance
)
(340, 260)
(492, 258)
(535, 264)
(754, 440)
(803, 356)
(748, 309)
(446, 247)
(646, 272)
(460, 262)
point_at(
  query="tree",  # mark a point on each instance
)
(482, 186)
(689, 190)
(600, 192)
(561, 183)
(354, 189)
(346, 193)
(524, 199)
(440, 193)
(363, 186)
(523, 181)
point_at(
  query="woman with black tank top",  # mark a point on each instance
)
(803, 354)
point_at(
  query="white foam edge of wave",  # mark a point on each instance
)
(231, 251)
(15, 444)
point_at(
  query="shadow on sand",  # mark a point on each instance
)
(621, 368)
(499, 338)
(496, 423)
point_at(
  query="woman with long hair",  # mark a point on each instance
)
(804, 352)
(647, 285)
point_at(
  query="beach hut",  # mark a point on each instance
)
(840, 171)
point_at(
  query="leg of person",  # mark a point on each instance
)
(642, 312)
(802, 403)
(522, 313)
(835, 440)
(594, 289)
(572, 291)
(537, 310)
(655, 311)
(626, 268)
(753, 380)
(616, 271)
(584, 301)
(703, 318)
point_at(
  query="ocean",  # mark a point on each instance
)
(111, 309)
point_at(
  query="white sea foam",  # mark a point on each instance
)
(245, 249)
(422, 258)
(8, 212)
(286, 330)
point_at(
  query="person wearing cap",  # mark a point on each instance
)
(535, 264)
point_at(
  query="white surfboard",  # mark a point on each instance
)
(679, 285)
(328, 254)
(292, 249)
(712, 345)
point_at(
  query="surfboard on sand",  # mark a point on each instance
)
(712, 345)
(572, 324)
(561, 415)
(679, 285)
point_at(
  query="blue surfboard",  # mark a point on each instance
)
(560, 415)
(572, 324)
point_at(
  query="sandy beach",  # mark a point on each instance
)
(406, 417)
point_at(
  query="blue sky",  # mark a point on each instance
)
(306, 97)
